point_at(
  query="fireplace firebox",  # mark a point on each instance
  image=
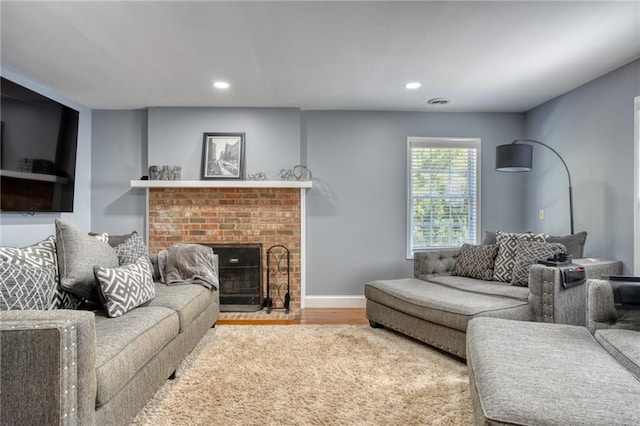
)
(240, 276)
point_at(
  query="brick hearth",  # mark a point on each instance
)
(229, 215)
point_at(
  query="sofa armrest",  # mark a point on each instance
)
(551, 302)
(601, 311)
(47, 372)
(434, 262)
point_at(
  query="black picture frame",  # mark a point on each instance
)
(223, 156)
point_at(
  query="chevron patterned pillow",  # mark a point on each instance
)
(26, 287)
(125, 287)
(476, 261)
(131, 249)
(507, 245)
(42, 255)
(527, 253)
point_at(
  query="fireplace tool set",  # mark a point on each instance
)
(278, 257)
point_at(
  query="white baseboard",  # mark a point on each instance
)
(334, 302)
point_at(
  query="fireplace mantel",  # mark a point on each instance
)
(220, 184)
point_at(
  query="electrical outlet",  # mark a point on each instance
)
(541, 214)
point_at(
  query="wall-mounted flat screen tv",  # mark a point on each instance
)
(38, 144)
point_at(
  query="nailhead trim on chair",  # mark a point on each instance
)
(548, 295)
(68, 375)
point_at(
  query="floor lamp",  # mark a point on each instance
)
(515, 157)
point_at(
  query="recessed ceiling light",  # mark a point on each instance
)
(438, 101)
(221, 85)
(412, 85)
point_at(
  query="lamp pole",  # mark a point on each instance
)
(566, 168)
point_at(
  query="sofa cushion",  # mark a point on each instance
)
(441, 304)
(125, 287)
(26, 287)
(125, 344)
(476, 261)
(42, 254)
(78, 253)
(623, 345)
(490, 288)
(507, 246)
(188, 300)
(527, 252)
(489, 237)
(546, 374)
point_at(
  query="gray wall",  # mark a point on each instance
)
(127, 142)
(591, 127)
(356, 211)
(17, 229)
(272, 137)
(119, 154)
(356, 214)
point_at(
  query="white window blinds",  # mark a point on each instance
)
(443, 193)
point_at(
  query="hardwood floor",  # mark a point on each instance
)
(350, 316)
(321, 316)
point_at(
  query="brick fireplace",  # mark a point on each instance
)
(209, 212)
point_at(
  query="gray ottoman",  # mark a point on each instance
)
(525, 373)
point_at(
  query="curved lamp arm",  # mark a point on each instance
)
(553, 150)
(563, 163)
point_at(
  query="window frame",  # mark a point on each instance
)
(443, 142)
(636, 189)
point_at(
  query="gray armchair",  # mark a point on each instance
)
(601, 312)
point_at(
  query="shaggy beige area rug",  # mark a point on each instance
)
(312, 375)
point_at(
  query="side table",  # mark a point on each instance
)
(595, 268)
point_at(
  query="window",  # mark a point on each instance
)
(443, 208)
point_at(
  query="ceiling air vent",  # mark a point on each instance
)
(438, 101)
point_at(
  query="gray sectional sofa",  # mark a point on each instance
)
(84, 368)
(88, 330)
(533, 374)
(435, 306)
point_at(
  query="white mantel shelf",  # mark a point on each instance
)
(220, 184)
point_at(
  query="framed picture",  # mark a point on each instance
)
(223, 156)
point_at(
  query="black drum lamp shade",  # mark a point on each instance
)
(518, 157)
(514, 158)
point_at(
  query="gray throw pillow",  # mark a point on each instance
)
(78, 253)
(574, 243)
(527, 253)
(116, 240)
(476, 261)
(131, 249)
(507, 246)
(126, 287)
(489, 237)
(26, 287)
(42, 255)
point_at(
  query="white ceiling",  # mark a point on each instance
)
(484, 56)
